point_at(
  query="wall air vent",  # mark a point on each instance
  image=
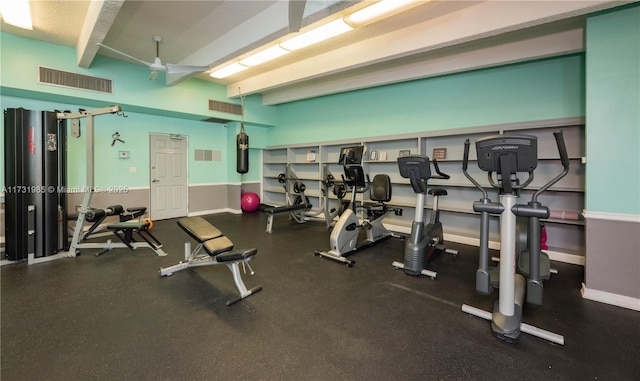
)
(56, 77)
(229, 108)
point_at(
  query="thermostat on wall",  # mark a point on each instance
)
(124, 155)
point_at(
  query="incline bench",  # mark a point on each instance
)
(218, 250)
(129, 226)
(296, 213)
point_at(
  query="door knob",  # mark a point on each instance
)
(155, 181)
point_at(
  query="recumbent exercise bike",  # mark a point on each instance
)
(344, 236)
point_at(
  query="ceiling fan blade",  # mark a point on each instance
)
(171, 69)
(153, 75)
(296, 12)
(125, 54)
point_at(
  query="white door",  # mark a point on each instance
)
(168, 172)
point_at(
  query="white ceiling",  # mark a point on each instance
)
(433, 38)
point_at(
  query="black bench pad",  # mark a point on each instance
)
(199, 229)
(236, 255)
(287, 208)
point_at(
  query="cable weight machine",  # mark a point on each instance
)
(37, 140)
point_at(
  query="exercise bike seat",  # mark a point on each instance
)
(381, 188)
(437, 192)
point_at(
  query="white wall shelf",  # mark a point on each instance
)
(565, 235)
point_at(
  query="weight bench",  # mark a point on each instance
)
(296, 213)
(130, 223)
(124, 231)
(213, 249)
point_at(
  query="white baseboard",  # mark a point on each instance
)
(566, 257)
(611, 216)
(553, 255)
(609, 298)
(214, 211)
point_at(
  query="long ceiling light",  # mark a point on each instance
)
(16, 13)
(228, 70)
(316, 35)
(264, 56)
(377, 10)
(334, 28)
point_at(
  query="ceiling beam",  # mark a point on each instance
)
(100, 17)
(472, 23)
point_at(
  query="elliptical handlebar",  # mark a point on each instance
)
(465, 164)
(562, 149)
(564, 159)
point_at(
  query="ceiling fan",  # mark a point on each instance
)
(157, 66)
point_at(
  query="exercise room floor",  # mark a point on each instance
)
(113, 318)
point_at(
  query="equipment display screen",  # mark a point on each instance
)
(351, 155)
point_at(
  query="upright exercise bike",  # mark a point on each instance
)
(426, 240)
(344, 238)
(508, 155)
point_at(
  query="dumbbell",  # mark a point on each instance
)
(299, 187)
(328, 182)
(340, 191)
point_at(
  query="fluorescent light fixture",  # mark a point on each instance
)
(228, 70)
(264, 56)
(318, 34)
(16, 13)
(376, 10)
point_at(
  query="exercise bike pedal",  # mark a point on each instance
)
(452, 252)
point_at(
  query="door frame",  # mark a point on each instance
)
(186, 164)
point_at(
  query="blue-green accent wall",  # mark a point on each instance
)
(131, 87)
(545, 89)
(602, 84)
(110, 170)
(151, 106)
(613, 112)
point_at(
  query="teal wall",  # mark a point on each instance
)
(131, 87)
(613, 112)
(134, 130)
(151, 106)
(552, 88)
(602, 84)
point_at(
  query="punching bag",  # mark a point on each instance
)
(242, 147)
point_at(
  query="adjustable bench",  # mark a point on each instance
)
(130, 222)
(296, 212)
(124, 231)
(213, 249)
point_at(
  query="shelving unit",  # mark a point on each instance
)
(311, 162)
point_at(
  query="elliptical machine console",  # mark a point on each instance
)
(506, 156)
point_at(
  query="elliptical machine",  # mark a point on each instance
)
(506, 156)
(344, 236)
(426, 241)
